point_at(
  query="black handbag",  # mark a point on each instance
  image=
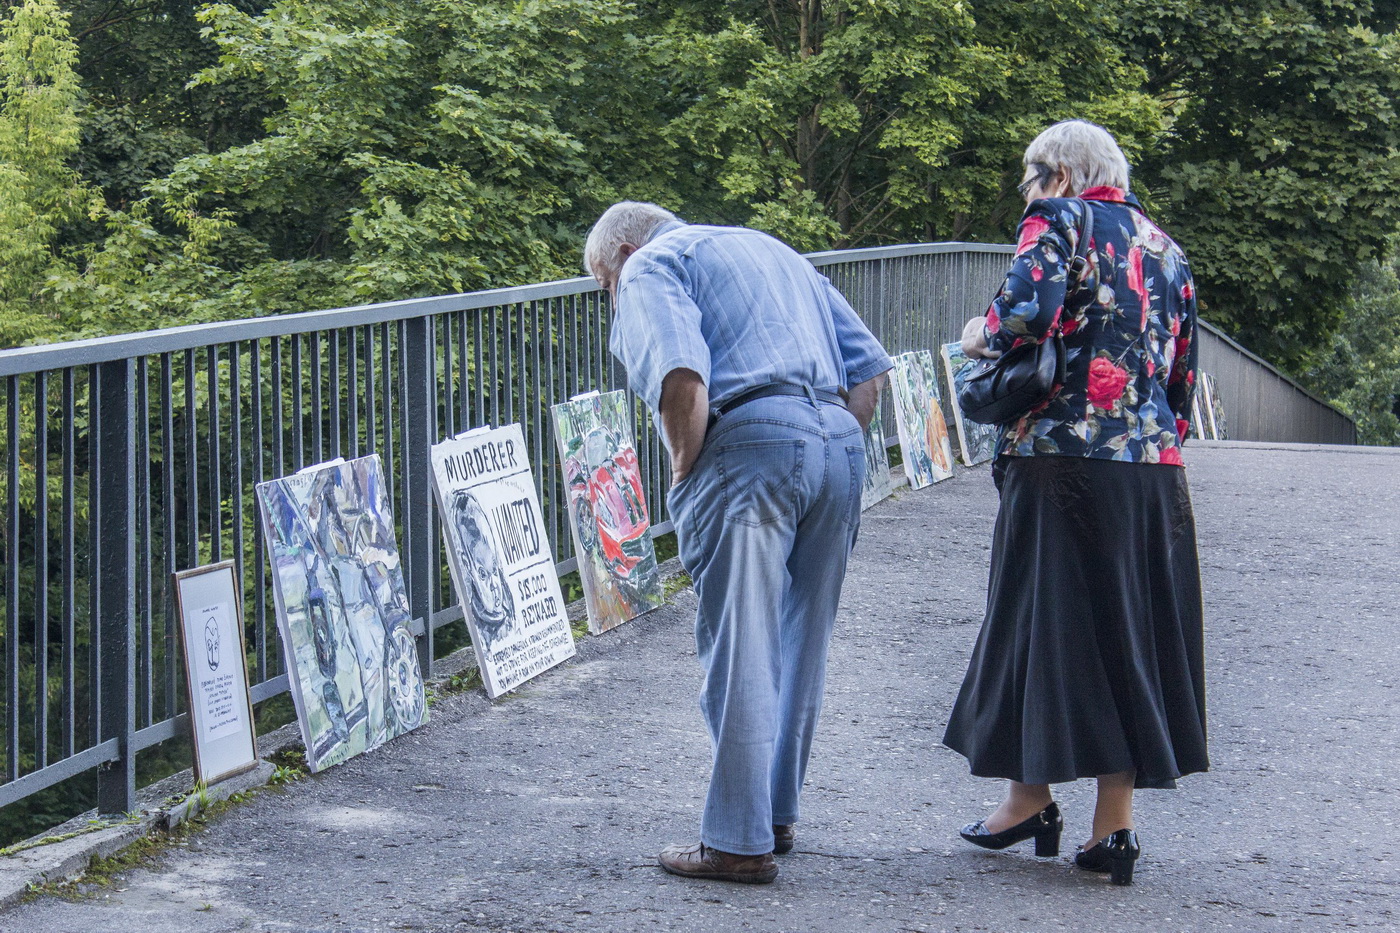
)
(1002, 390)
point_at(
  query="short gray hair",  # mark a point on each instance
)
(1085, 151)
(633, 222)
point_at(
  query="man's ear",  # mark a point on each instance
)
(625, 250)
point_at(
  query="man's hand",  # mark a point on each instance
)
(862, 398)
(685, 414)
(974, 340)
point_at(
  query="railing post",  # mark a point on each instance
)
(114, 615)
(419, 435)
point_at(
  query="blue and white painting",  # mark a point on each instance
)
(342, 608)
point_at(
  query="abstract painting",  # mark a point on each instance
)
(502, 565)
(923, 434)
(877, 464)
(342, 609)
(976, 442)
(607, 509)
(1213, 427)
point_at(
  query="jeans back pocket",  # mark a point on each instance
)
(760, 479)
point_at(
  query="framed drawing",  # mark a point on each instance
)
(210, 611)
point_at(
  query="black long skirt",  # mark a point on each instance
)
(1090, 659)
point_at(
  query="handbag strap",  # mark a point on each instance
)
(1080, 259)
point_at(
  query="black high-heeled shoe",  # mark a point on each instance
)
(1115, 853)
(1045, 827)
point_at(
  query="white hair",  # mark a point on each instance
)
(1085, 151)
(630, 222)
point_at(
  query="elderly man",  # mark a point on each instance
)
(763, 380)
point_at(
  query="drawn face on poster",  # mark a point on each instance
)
(488, 590)
(342, 609)
(211, 643)
(609, 516)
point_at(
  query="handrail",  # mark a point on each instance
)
(21, 360)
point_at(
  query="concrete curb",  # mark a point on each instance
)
(83, 839)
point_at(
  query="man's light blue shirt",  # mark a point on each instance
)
(742, 310)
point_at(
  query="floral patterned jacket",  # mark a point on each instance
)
(1128, 324)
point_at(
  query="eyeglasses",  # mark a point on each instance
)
(1043, 174)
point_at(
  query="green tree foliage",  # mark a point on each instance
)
(1360, 368)
(1279, 170)
(39, 191)
(258, 156)
(847, 123)
(414, 147)
(139, 113)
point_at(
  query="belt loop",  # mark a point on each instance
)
(811, 395)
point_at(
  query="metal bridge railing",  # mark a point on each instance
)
(127, 458)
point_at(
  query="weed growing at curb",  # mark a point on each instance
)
(675, 584)
(102, 872)
(289, 766)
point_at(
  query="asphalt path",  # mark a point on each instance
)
(545, 811)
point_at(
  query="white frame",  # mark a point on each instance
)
(234, 753)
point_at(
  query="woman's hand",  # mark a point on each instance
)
(974, 340)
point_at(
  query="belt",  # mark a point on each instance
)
(781, 388)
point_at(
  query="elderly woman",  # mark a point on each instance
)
(1089, 662)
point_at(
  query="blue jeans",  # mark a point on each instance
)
(765, 521)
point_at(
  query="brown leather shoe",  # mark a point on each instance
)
(700, 861)
(784, 838)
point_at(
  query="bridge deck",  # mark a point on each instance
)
(545, 811)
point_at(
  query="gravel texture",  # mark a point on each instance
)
(545, 810)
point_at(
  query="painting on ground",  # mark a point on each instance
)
(976, 442)
(342, 609)
(607, 509)
(923, 434)
(502, 564)
(877, 464)
(1212, 408)
(1197, 426)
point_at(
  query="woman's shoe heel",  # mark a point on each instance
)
(1116, 854)
(1047, 845)
(1120, 870)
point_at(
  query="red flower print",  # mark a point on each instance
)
(1151, 368)
(1135, 281)
(1112, 253)
(1070, 327)
(1176, 326)
(1036, 274)
(1106, 382)
(1170, 455)
(1182, 426)
(1031, 229)
(1187, 291)
(993, 320)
